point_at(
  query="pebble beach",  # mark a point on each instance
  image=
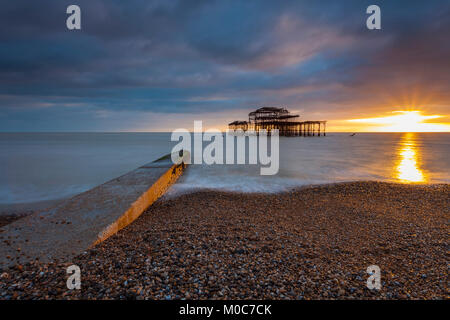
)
(310, 243)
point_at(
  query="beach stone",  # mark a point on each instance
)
(312, 250)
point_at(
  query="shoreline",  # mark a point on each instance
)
(312, 243)
(174, 194)
(10, 212)
(27, 207)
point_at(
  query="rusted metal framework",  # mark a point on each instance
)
(270, 118)
(235, 125)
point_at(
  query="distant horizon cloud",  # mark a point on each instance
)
(158, 65)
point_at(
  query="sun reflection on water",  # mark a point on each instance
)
(408, 168)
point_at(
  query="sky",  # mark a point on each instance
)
(141, 65)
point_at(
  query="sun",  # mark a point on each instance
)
(405, 121)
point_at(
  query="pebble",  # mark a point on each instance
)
(310, 243)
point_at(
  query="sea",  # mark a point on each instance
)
(48, 166)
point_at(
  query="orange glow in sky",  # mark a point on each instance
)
(404, 121)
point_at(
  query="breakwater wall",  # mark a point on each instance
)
(89, 218)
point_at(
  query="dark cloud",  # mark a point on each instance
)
(205, 56)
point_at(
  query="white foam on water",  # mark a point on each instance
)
(335, 158)
(36, 167)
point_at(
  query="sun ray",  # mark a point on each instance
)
(405, 121)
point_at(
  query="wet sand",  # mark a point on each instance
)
(310, 243)
(10, 212)
(9, 218)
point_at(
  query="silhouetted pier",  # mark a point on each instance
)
(270, 118)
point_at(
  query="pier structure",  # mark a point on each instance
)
(235, 125)
(270, 118)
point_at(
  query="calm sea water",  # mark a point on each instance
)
(45, 166)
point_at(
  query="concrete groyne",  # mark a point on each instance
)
(85, 220)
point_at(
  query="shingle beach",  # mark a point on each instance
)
(309, 243)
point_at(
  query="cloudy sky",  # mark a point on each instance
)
(141, 65)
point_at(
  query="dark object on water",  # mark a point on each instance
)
(352, 134)
(270, 118)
